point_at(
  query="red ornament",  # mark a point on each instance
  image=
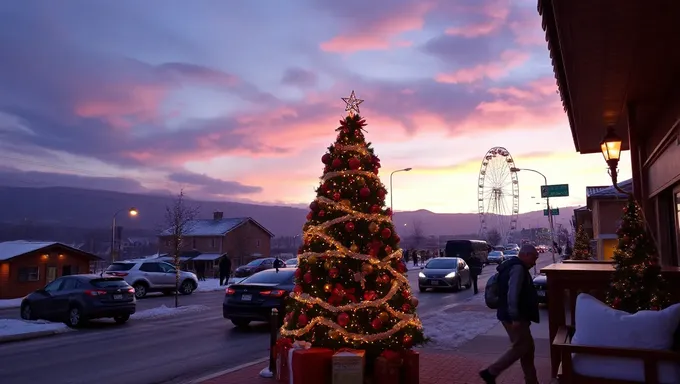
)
(302, 320)
(307, 277)
(375, 159)
(297, 289)
(349, 227)
(370, 295)
(401, 268)
(405, 308)
(616, 303)
(298, 273)
(389, 212)
(376, 323)
(309, 216)
(397, 239)
(321, 213)
(388, 250)
(337, 163)
(405, 294)
(343, 319)
(365, 192)
(326, 159)
(336, 196)
(376, 170)
(288, 317)
(333, 272)
(386, 233)
(314, 206)
(408, 341)
(354, 163)
(375, 209)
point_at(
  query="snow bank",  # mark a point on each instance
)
(11, 327)
(209, 285)
(163, 311)
(11, 303)
(449, 331)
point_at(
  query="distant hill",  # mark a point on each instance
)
(94, 209)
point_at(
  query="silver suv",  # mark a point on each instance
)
(152, 276)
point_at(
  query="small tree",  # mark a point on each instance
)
(179, 219)
(493, 237)
(636, 283)
(581, 245)
(418, 234)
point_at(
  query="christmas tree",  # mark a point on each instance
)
(637, 283)
(581, 245)
(351, 289)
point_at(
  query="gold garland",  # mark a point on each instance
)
(354, 336)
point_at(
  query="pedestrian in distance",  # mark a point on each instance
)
(476, 267)
(225, 270)
(517, 309)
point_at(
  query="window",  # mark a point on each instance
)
(54, 286)
(212, 242)
(29, 274)
(109, 283)
(150, 267)
(51, 273)
(119, 267)
(166, 268)
(193, 243)
(70, 284)
(442, 264)
(283, 276)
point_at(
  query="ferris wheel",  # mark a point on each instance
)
(498, 193)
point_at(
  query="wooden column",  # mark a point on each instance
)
(636, 148)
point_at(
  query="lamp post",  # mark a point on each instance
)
(611, 150)
(132, 212)
(547, 202)
(391, 193)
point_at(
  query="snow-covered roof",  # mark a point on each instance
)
(207, 257)
(12, 249)
(214, 227)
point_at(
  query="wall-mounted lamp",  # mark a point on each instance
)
(45, 256)
(61, 256)
(611, 150)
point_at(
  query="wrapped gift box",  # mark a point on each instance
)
(283, 347)
(348, 366)
(410, 367)
(386, 371)
(310, 366)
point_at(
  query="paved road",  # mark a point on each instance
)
(171, 350)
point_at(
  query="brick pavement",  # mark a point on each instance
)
(435, 367)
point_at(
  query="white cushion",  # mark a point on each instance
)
(597, 324)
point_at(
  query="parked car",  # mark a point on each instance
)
(541, 285)
(495, 257)
(512, 247)
(75, 299)
(467, 249)
(253, 298)
(510, 253)
(292, 263)
(254, 267)
(445, 272)
(152, 276)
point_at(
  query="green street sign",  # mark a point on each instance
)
(556, 190)
(555, 212)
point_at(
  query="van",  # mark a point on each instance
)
(466, 249)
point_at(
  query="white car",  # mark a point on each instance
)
(152, 276)
(495, 257)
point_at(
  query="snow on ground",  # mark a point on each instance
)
(12, 327)
(450, 331)
(11, 303)
(209, 285)
(163, 311)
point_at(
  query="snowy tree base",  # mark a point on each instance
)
(266, 373)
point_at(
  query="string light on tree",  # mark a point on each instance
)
(350, 285)
(581, 249)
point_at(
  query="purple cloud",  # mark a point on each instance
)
(299, 77)
(212, 186)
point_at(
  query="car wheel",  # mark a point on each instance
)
(121, 319)
(140, 290)
(27, 312)
(74, 318)
(187, 287)
(421, 289)
(240, 323)
(469, 283)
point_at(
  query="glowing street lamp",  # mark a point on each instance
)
(133, 212)
(611, 150)
(391, 191)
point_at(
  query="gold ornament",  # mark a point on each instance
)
(327, 288)
(373, 227)
(361, 182)
(312, 259)
(384, 317)
(346, 203)
(327, 264)
(367, 268)
(354, 248)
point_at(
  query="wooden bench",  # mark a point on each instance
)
(650, 358)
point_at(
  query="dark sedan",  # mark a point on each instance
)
(253, 298)
(254, 267)
(541, 285)
(76, 299)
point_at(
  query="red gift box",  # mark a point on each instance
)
(282, 347)
(311, 366)
(386, 371)
(410, 367)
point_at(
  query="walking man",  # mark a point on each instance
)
(517, 308)
(475, 270)
(225, 270)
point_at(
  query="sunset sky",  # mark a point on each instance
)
(238, 100)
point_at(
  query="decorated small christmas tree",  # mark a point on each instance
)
(637, 283)
(581, 245)
(351, 290)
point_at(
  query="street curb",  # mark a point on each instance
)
(30, 335)
(228, 371)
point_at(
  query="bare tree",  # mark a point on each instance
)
(179, 220)
(418, 234)
(493, 237)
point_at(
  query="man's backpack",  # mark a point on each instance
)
(491, 292)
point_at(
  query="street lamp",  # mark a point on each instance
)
(547, 202)
(132, 212)
(391, 192)
(611, 150)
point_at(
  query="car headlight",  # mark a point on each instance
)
(451, 275)
(420, 274)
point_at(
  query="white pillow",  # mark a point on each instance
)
(597, 324)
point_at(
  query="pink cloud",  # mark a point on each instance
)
(495, 15)
(526, 28)
(381, 34)
(509, 60)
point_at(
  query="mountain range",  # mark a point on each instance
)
(94, 209)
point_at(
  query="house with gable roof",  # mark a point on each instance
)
(241, 239)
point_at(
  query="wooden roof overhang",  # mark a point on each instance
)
(609, 54)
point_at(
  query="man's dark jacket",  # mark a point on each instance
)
(517, 298)
(225, 266)
(475, 265)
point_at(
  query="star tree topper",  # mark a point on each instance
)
(352, 104)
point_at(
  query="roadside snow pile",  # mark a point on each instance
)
(11, 303)
(450, 331)
(11, 327)
(163, 311)
(209, 285)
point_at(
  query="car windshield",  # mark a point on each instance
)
(108, 283)
(442, 264)
(115, 267)
(254, 263)
(291, 262)
(280, 277)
